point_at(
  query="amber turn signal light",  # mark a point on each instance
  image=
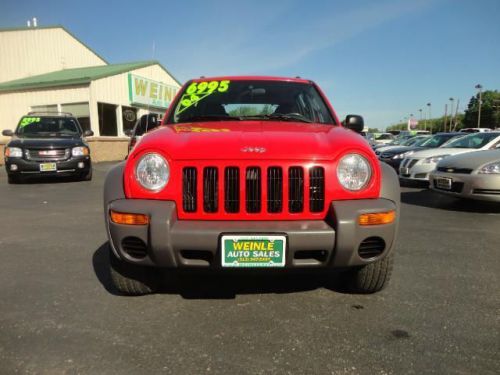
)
(377, 218)
(128, 219)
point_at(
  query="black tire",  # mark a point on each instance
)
(370, 278)
(12, 179)
(131, 279)
(87, 176)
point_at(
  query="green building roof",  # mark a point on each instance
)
(76, 76)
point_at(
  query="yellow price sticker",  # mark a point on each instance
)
(197, 91)
(29, 120)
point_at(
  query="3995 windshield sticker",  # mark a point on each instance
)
(197, 91)
(28, 120)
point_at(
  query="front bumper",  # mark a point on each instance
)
(484, 187)
(28, 168)
(170, 242)
(415, 169)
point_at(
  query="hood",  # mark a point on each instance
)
(394, 149)
(45, 143)
(471, 160)
(441, 151)
(261, 140)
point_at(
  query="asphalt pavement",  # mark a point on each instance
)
(59, 313)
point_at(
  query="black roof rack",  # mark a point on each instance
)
(49, 113)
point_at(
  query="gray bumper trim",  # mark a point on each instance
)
(331, 243)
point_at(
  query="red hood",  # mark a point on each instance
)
(258, 140)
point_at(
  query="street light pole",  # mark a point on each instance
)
(479, 87)
(420, 110)
(430, 123)
(445, 116)
(451, 113)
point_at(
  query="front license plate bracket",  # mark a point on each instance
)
(444, 183)
(253, 251)
(48, 167)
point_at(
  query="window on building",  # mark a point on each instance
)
(129, 117)
(107, 119)
(81, 111)
(44, 108)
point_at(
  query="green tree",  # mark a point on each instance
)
(490, 110)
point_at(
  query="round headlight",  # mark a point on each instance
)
(354, 172)
(152, 172)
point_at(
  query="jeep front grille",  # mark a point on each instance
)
(253, 189)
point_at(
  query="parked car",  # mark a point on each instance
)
(49, 145)
(475, 130)
(383, 138)
(251, 173)
(408, 142)
(417, 166)
(144, 124)
(473, 176)
(394, 156)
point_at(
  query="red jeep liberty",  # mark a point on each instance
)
(251, 173)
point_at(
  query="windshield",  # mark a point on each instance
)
(246, 100)
(32, 126)
(438, 140)
(417, 141)
(475, 140)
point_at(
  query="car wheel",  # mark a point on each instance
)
(131, 279)
(370, 278)
(87, 176)
(14, 179)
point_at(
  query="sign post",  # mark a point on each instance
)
(412, 123)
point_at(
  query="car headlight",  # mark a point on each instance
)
(492, 168)
(80, 151)
(152, 172)
(13, 152)
(434, 159)
(403, 155)
(354, 172)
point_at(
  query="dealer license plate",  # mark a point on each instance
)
(443, 183)
(48, 167)
(253, 251)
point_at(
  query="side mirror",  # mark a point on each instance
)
(152, 121)
(355, 123)
(88, 133)
(128, 132)
(7, 133)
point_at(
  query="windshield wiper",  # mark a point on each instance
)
(210, 118)
(281, 117)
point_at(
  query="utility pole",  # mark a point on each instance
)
(430, 123)
(445, 116)
(451, 113)
(456, 116)
(420, 110)
(479, 87)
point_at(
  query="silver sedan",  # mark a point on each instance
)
(473, 175)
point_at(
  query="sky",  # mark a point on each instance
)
(381, 59)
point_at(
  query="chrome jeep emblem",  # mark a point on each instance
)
(259, 150)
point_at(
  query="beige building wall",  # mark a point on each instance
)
(32, 51)
(13, 105)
